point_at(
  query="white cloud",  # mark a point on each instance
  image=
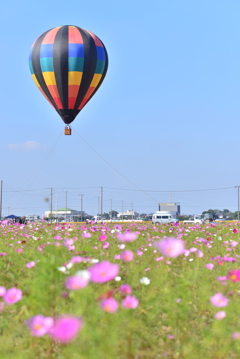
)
(27, 146)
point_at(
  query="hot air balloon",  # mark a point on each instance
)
(68, 64)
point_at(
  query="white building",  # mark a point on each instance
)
(64, 213)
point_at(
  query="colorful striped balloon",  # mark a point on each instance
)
(68, 65)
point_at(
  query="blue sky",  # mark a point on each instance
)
(166, 116)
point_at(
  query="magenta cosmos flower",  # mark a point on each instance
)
(127, 256)
(103, 272)
(76, 282)
(130, 302)
(39, 325)
(109, 305)
(12, 296)
(65, 329)
(170, 247)
(102, 238)
(125, 289)
(218, 300)
(234, 275)
(127, 236)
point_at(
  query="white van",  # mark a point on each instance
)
(161, 217)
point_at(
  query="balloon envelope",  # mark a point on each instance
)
(68, 65)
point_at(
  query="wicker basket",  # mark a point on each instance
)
(67, 130)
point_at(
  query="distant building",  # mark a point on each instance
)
(64, 213)
(171, 207)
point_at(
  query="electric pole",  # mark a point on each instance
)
(81, 206)
(101, 203)
(111, 209)
(122, 210)
(66, 208)
(132, 210)
(1, 186)
(238, 200)
(51, 204)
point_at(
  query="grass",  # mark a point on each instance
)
(160, 327)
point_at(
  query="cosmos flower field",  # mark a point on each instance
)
(133, 290)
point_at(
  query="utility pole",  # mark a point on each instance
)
(101, 203)
(122, 210)
(111, 208)
(81, 206)
(132, 210)
(1, 186)
(51, 203)
(66, 208)
(238, 200)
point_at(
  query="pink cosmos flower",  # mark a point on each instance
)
(2, 291)
(220, 315)
(65, 329)
(210, 266)
(86, 235)
(103, 272)
(170, 247)
(105, 245)
(30, 264)
(12, 296)
(76, 282)
(130, 302)
(235, 230)
(68, 242)
(125, 289)
(102, 238)
(127, 236)
(236, 335)
(127, 256)
(76, 259)
(109, 305)
(57, 237)
(218, 300)
(234, 275)
(19, 250)
(39, 325)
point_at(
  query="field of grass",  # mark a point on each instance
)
(171, 313)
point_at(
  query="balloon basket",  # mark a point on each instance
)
(67, 131)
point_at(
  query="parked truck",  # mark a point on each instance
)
(201, 218)
(196, 219)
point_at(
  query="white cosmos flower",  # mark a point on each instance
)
(69, 265)
(94, 260)
(117, 279)
(63, 270)
(145, 280)
(84, 274)
(191, 259)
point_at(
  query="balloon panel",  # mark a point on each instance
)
(68, 65)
